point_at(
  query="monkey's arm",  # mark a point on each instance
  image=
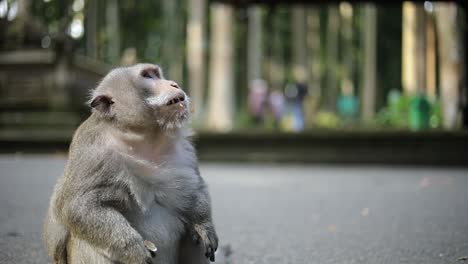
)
(92, 216)
(200, 222)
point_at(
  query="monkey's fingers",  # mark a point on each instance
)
(212, 258)
(210, 254)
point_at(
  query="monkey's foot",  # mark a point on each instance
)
(205, 234)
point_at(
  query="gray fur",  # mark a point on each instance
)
(132, 175)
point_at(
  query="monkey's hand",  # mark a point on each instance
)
(135, 252)
(206, 235)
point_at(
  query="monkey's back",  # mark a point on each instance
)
(60, 243)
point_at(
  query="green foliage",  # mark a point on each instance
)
(53, 14)
(395, 114)
(403, 111)
(435, 120)
(244, 121)
(326, 119)
(140, 24)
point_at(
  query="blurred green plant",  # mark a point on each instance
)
(327, 119)
(415, 112)
(395, 114)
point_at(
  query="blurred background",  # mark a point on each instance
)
(279, 66)
(328, 131)
(261, 67)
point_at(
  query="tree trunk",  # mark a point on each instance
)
(299, 51)
(21, 18)
(431, 58)
(276, 72)
(196, 56)
(450, 61)
(313, 55)
(370, 66)
(172, 54)
(254, 45)
(91, 29)
(221, 96)
(347, 85)
(414, 49)
(314, 62)
(331, 92)
(113, 31)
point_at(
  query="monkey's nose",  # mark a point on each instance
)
(177, 99)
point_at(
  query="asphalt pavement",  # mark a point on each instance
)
(283, 213)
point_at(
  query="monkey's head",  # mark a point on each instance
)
(139, 97)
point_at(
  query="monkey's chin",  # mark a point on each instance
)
(172, 118)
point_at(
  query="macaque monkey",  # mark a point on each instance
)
(132, 177)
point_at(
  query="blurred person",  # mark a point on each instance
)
(295, 94)
(257, 100)
(277, 105)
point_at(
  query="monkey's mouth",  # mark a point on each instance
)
(176, 100)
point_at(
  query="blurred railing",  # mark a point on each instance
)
(433, 148)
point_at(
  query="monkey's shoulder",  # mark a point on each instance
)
(91, 164)
(88, 134)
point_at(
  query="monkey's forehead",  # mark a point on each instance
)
(122, 75)
(146, 64)
(134, 69)
(142, 66)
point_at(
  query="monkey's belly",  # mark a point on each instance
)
(164, 229)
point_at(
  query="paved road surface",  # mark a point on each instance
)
(284, 214)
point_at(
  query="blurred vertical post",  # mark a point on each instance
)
(464, 85)
(314, 62)
(450, 61)
(346, 11)
(19, 23)
(172, 54)
(91, 29)
(313, 46)
(370, 66)
(331, 92)
(221, 96)
(299, 44)
(276, 72)
(113, 31)
(254, 44)
(413, 49)
(196, 55)
(431, 57)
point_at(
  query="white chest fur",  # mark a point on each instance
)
(169, 184)
(162, 170)
(163, 180)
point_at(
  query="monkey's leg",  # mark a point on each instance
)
(191, 253)
(81, 252)
(102, 226)
(55, 236)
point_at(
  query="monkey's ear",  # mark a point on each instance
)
(101, 103)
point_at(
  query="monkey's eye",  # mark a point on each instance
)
(150, 74)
